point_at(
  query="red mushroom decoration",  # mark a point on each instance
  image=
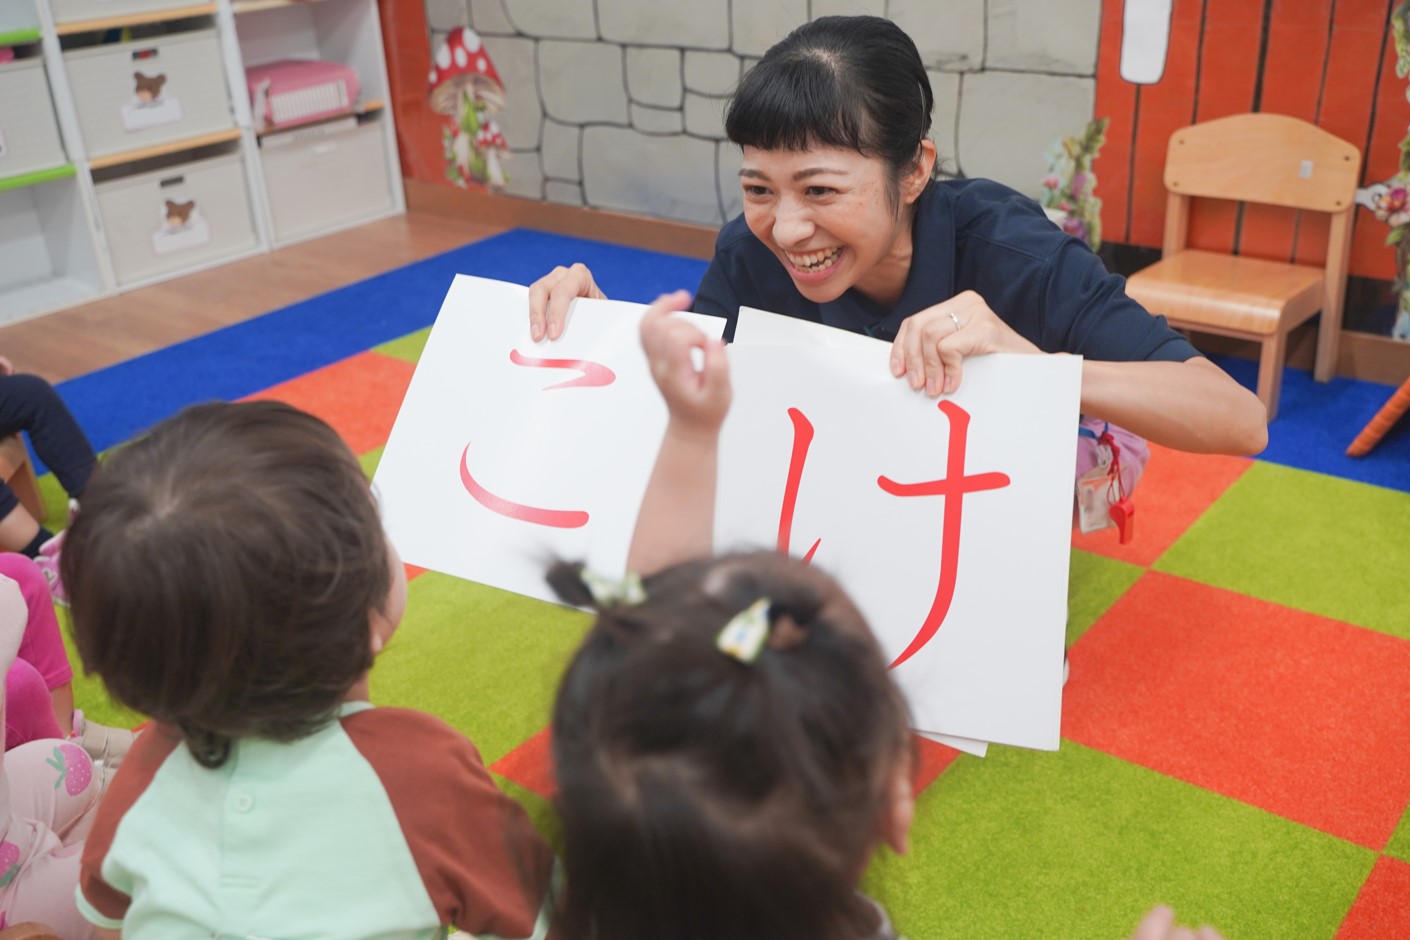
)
(462, 66)
(465, 86)
(493, 147)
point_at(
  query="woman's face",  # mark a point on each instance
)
(825, 215)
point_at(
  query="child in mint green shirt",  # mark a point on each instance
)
(229, 577)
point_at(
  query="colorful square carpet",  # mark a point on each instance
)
(1236, 732)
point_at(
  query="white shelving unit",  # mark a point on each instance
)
(48, 256)
(335, 172)
(164, 168)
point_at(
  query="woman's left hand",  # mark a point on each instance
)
(931, 346)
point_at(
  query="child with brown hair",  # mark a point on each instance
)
(229, 577)
(730, 752)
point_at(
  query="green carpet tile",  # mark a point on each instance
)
(407, 347)
(1322, 544)
(485, 660)
(1093, 585)
(1399, 844)
(1081, 844)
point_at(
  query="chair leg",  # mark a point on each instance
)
(18, 472)
(26, 489)
(1270, 372)
(1324, 365)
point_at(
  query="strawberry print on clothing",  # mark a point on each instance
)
(74, 768)
(9, 867)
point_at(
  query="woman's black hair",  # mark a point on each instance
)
(704, 797)
(852, 82)
(222, 572)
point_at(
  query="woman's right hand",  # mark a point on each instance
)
(551, 294)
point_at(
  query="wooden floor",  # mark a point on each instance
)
(81, 339)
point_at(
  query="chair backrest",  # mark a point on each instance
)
(1267, 158)
(1262, 158)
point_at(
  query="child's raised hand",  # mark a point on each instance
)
(1160, 924)
(698, 399)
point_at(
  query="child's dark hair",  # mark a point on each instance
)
(705, 797)
(852, 82)
(222, 571)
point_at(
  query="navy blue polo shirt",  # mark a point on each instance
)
(968, 235)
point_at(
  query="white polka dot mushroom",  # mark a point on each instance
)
(462, 66)
(492, 145)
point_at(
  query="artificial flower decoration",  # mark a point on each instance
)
(1069, 188)
(1389, 201)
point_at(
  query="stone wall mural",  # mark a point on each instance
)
(618, 104)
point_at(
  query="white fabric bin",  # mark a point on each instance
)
(172, 219)
(135, 94)
(29, 134)
(325, 176)
(72, 11)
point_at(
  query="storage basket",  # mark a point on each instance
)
(177, 218)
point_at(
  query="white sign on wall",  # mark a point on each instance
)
(949, 520)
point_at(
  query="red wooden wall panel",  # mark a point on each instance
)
(1292, 83)
(1115, 100)
(1161, 110)
(1370, 255)
(1228, 77)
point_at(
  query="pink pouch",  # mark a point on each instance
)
(1135, 454)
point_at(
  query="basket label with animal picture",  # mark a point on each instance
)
(182, 227)
(152, 104)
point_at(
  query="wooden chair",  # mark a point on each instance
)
(1254, 158)
(17, 472)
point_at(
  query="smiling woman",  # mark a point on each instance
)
(844, 225)
(829, 216)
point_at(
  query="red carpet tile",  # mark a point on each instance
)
(1175, 490)
(1300, 715)
(1382, 909)
(931, 760)
(412, 572)
(359, 396)
(530, 765)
